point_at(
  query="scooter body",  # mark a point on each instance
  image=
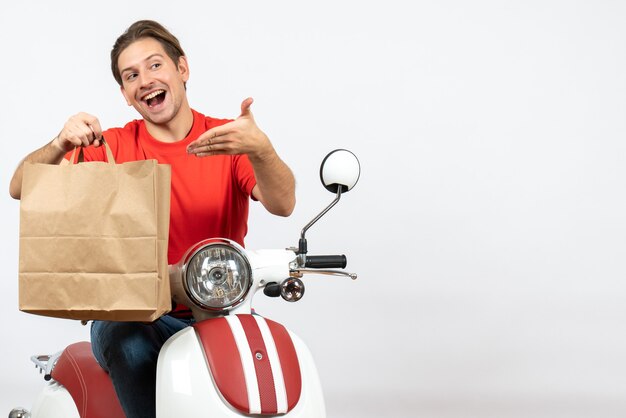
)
(184, 389)
(208, 369)
(186, 385)
(54, 401)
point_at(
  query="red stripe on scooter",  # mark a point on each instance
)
(288, 362)
(223, 357)
(264, 375)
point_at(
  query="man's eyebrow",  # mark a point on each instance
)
(156, 54)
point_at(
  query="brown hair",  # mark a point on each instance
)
(145, 29)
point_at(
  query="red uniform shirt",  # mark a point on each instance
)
(210, 195)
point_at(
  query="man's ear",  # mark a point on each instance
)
(125, 95)
(183, 68)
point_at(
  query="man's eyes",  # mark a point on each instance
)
(153, 66)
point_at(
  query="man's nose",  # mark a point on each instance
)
(145, 80)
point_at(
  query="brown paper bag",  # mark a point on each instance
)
(93, 240)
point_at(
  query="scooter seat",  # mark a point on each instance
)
(88, 384)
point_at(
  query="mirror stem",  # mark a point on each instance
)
(302, 247)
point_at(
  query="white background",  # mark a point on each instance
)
(488, 226)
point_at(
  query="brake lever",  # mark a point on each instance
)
(301, 272)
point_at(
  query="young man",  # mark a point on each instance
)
(216, 166)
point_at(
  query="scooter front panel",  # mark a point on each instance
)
(230, 378)
(290, 366)
(186, 385)
(263, 349)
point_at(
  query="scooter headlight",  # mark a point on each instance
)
(217, 275)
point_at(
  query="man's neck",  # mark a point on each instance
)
(174, 130)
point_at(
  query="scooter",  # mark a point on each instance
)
(231, 362)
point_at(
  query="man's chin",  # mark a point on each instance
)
(156, 118)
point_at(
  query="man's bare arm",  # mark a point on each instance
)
(275, 185)
(80, 130)
(50, 153)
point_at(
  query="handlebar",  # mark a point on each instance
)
(326, 261)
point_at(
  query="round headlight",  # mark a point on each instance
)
(218, 275)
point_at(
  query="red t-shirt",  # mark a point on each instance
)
(210, 195)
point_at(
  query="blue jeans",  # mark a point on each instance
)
(128, 351)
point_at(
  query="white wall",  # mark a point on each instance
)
(488, 225)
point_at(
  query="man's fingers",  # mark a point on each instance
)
(221, 148)
(86, 139)
(86, 135)
(205, 149)
(94, 125)
(96, 138)
(79, 135)
(80, 130)
(212, 136)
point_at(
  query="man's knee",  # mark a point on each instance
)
(129, 345)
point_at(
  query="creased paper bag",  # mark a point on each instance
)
(93, 240)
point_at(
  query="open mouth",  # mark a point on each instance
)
(155, 98)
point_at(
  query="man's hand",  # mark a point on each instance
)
(80, 130)
(241, 136)
(275, 184)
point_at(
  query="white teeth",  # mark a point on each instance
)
(153, 94)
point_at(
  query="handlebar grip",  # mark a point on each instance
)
(326, 261)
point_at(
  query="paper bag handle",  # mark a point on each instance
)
(110, 158)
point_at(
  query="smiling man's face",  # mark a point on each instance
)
(151, 82)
